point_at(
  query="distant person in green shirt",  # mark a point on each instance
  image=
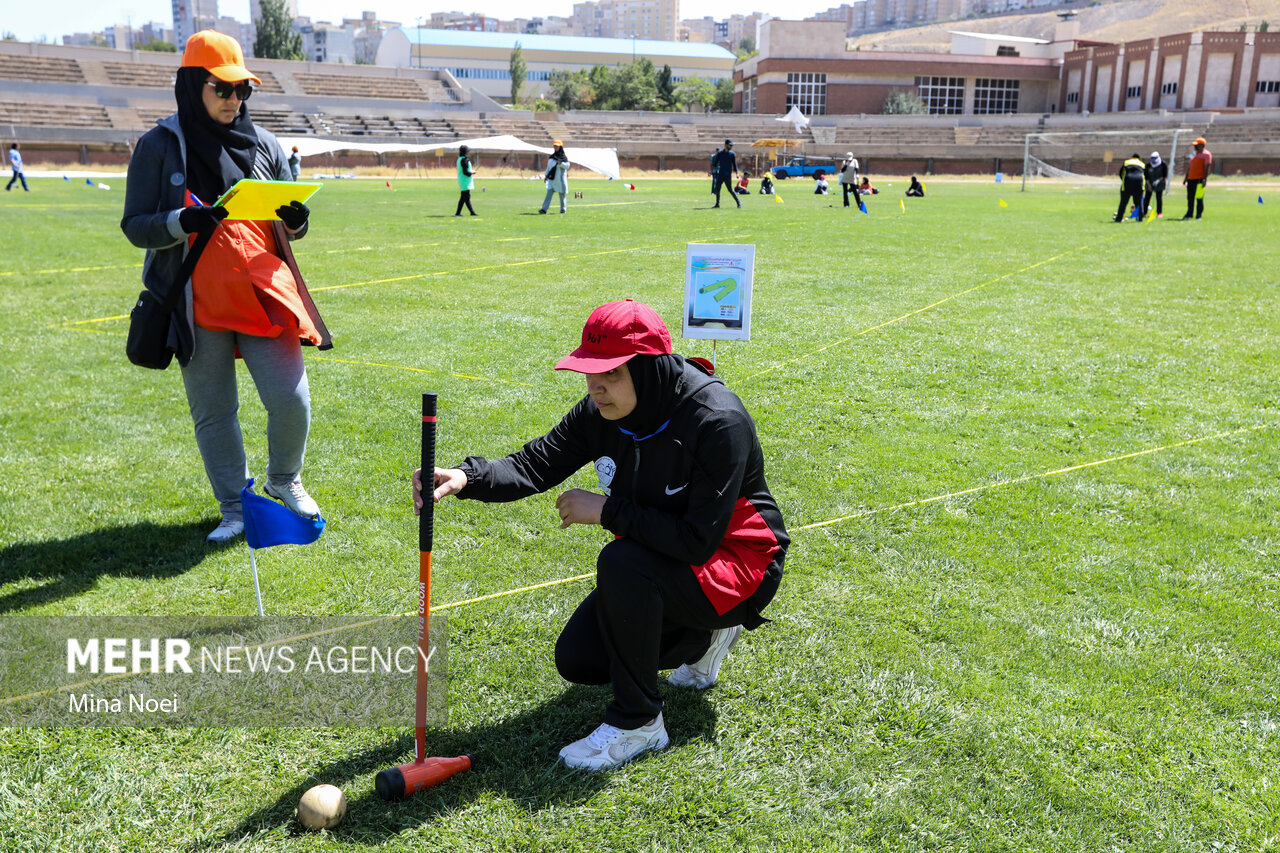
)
(466, 181)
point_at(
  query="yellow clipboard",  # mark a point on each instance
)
(250, 199)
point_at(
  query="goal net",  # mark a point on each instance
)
(1093, 156)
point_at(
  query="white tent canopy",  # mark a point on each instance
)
(796, 118)
(602, 160)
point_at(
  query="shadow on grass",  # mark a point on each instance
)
(67, 567)
(515, 758)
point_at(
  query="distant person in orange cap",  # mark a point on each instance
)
(556, 177)
(1197, 178)
(295, 162)
(244, 295)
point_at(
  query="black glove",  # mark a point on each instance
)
(201, 219)
(293, 215)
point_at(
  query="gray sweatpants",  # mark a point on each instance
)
(278, 372)
(546, 202)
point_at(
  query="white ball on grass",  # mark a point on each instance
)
(322, 807)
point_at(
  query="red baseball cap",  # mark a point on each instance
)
(614, 334)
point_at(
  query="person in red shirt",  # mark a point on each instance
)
(1197, 177)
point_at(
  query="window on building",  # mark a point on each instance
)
(1073, 97)
(749, 96)
(1169, 88)
(808, 92)
(1133, 92)
(991, 96)
(1006, 50)
(1267, 87)
(943, 95)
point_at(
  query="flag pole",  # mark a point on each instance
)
(257, 591)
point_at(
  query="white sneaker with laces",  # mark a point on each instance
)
(225, 532)
(609, 747)
(294, 497)
(703, 673)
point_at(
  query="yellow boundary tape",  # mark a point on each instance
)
(561, 581)
(1029, 477)
(810, 353)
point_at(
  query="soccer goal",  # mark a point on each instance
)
(1093, 156)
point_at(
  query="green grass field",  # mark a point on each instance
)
(1042, 617)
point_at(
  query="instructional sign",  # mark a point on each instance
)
(717, 291)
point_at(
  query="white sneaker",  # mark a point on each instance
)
(225, 532)
(294, 497)
(609, 747)
(702, 674)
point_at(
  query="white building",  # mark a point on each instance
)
(482, 61)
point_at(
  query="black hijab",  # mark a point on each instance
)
(656, 378)
(218, 155)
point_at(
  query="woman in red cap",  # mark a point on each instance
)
(245, 295)
(698, 541)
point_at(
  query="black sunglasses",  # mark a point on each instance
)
(223, 89)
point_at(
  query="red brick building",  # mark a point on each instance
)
(1187, 71)
(809, 64)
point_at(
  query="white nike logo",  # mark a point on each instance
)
(672, 491)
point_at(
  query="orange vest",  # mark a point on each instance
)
(241, 284)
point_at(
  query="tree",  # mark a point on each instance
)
(277, 39)
(158, 46)
(519, 71)
(1264, 26)
(666, 89)
(696, 92)
(724, 96)
(638, 86)
(904, 102)
(747, 45)
(571, 90)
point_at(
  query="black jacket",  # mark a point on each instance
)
(1157, 175)
(692, 491)
(1132, 170)
(724, 163)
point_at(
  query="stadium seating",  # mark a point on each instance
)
(40, 69)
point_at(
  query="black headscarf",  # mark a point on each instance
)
(656, 378)
(218, 155)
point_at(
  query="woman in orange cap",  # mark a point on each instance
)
(1197, 177)
(556, 177)
(245, 295)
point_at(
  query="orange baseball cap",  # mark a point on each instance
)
(556, 143)
(1199, 141)
(218, 54)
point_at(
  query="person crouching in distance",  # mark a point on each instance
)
(697, 541)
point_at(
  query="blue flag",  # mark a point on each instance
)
(267, 523)
(862, 205)
(1259, 199)
(65, 178)
(89, 182)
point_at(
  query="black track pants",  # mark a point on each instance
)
(647, 613)
(1132, 192)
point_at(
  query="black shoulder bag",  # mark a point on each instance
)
(149, 321)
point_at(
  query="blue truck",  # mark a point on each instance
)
(798, 168)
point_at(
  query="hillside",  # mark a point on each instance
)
(1121, 20)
